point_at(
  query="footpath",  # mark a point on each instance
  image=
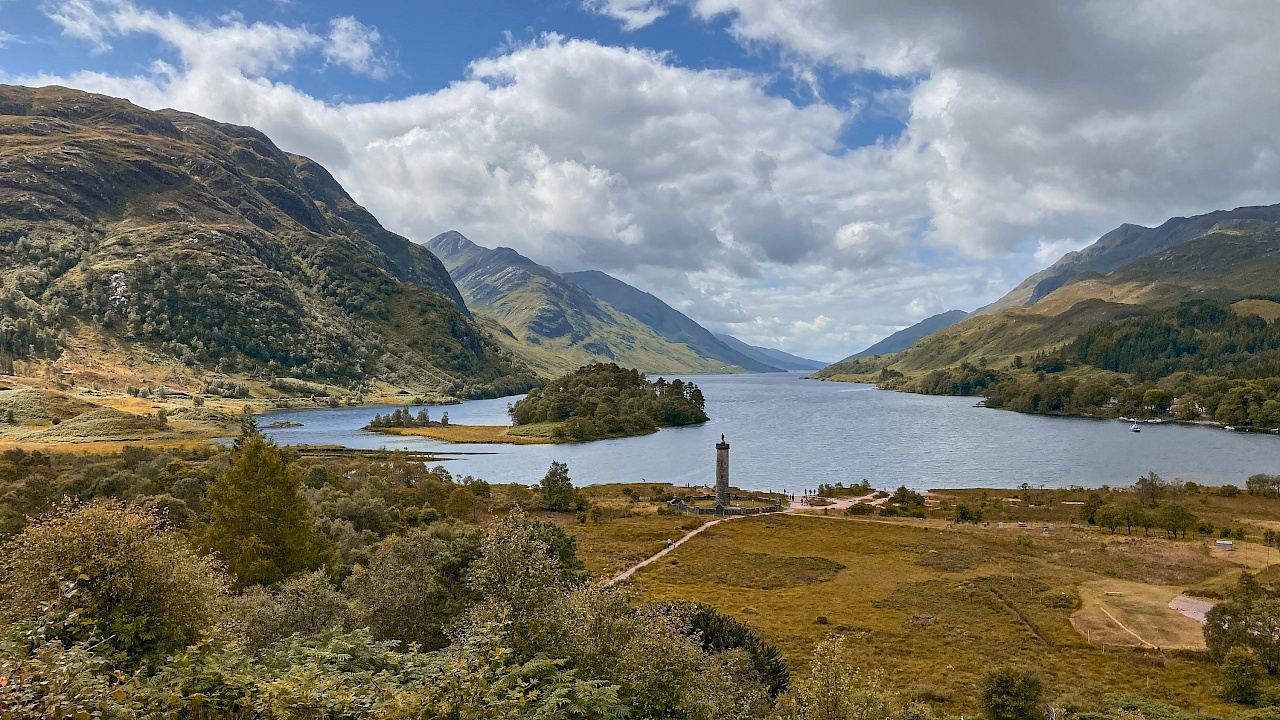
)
(795, 507)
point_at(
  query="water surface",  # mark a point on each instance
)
(788, 433)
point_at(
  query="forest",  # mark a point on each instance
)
(605, 400)
(1197, 361)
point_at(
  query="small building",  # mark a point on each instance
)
(1225, 545)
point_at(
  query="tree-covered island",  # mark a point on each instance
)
(604, 400)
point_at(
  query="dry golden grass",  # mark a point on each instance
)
(936, 607)
(1267, 309)
(1141, 608)
(479, 434)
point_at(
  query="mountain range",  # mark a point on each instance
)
(560, 321)
(776, 358)
(906, 337)
(1230, 256)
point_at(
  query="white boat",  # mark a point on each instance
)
(1228, 428)
(1134, 428)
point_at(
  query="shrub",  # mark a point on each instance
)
(1011, 693)
(137, 582)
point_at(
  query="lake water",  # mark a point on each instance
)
(788, 433)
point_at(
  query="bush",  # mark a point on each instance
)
(1011, 693)
(1242, 676)
(1229, 491)
(860, 509)
(137, 582)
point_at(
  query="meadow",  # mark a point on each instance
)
(934, 603)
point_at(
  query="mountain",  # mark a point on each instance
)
(138, 244)
(551, 321)
(1122, 246)
(776, 358)
(907, 337)
(1235, 261)
(665, 320)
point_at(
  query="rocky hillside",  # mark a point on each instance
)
(552, 322)
(171, 238)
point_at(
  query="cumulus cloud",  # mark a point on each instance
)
(358, 47)
(1029, 128)
(633, 14)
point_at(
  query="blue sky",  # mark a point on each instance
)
(806, 175)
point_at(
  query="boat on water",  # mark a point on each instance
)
(1228, 427)
(1135, 428)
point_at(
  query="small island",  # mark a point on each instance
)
(594, 402)
(604, 400)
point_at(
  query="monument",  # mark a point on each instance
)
(721, 502)
(723, 497)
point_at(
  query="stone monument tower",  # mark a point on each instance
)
(722, 473)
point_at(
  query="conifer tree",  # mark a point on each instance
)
(259, 524)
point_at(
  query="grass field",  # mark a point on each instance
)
(934, 607)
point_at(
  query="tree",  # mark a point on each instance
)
(135, 583)
(1263, 485)
(415, 585)
(1150, 488)
(558, 493)
(1011, 693)
(1242, 676)
(461, 504)
(1247, 618)
(259, 523)
(1109, 516)
(835, 690)
(1176, 518)
(520, 578)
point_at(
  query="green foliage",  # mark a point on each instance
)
(1197, 336)
(833, 689)
(1249, 618)
(306, 605)
(605, 400)
(1241, 676)
(259, 523)
(400, 418)
(415, 585)
(966, 379)
(1011, 693)
(558, 493)
(720, 633)
(136, 584)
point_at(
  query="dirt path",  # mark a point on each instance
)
(1122, 627)
(625, 574)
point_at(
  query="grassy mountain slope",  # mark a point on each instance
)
(169, 238)
(907, 337)
(1124, 245)
(777, 358)
(553, 323)
(1230, 261)
(665, 320)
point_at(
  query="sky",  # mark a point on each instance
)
(804, 174)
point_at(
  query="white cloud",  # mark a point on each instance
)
(357, 47)
(633, 14)
(7, 38)
(1030, 128)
